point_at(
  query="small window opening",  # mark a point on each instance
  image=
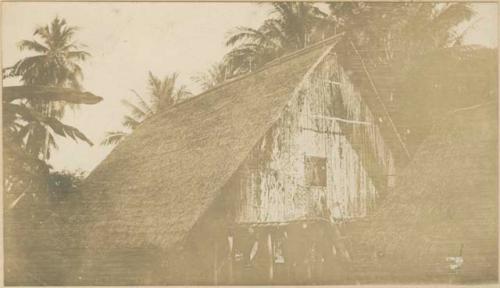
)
(315, 171)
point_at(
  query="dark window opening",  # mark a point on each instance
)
(315, 171)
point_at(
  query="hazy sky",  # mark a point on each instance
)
(127, 40)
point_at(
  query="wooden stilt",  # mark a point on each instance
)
(309, 263)
(271, 256)
(231, 259)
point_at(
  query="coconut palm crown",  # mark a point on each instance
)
(57, 60)
(162, 95)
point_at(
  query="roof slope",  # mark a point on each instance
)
(154, 186)
(445, 204)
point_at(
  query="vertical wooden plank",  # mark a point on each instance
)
(271, 197)
(271, 256)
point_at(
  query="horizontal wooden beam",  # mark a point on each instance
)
(342, 120)
(319, 131)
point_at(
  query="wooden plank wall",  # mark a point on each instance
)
(272, 182)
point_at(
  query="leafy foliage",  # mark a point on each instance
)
(289, 28)
(390, 31)
(58, 60)
(31, 113)
(442, 81)
(56, 65)
(60, 183)
(47, 93)
(39, 229)
(399, 31)
(390, 36)
(114, 137)
(30, 128)
(25, 172)
(162, 95)
(213, 77)
(38, 202)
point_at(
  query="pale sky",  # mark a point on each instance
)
(127, 40)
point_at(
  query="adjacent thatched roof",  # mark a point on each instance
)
(154, 186)
(446, 199)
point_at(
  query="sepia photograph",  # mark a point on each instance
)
(249, 143)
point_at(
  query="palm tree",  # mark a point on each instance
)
(389, 30)
(399, 31)
(23, 170)
(57, 62)
(55, 65)
(430, 28)
(22, 121)
(394, 35)
(394, 38)
(162, 95)
(290, 28)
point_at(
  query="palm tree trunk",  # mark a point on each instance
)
(45, 155)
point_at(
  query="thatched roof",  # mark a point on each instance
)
(154, 186)
(446, 199)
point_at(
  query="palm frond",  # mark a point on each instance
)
(162, 93)
(78, 55)
(448, 18)
(214, 76)
(32, 45)
(52, 143)
(135, 111)
(130, 122)
(35, 119)
(67, 34)
(182, 93)
(27, 64)
(66, 130)
(48, 94)
(114, 137)
(240, 34)
(290, 27)
(43, 32)
(144, 106)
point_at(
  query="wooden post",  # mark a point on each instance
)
(231, 259)
(271, 256)
(309, 260)
(309, 268)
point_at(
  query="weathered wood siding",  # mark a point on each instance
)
(272, 180)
